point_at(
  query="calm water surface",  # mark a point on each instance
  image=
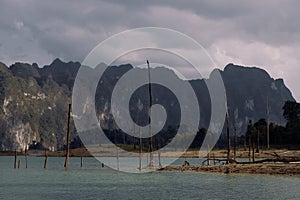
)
(94, 182)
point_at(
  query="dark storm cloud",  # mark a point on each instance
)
(264, 33)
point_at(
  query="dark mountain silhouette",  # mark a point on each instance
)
(34, 100)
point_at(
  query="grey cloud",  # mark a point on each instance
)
(38, 31)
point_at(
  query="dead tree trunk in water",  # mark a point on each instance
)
(268, 126)
(234, 142)
(26, 163)
(141, 146)
(46, 159)
(257, 147)
(15, 162)
(151, 163)
(249, 153)
(158, 149)
(68, 139)
(208, 155)
(253, 152)
(228, 139)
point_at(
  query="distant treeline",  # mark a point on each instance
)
(279, 136)
(287, 136)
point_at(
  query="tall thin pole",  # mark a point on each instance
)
(228, 132)
(26, 163)
(249, 150)
(257, 148)
(46, 159)
(234, 141)
(151, 163)
(208, 156)
(268, 126)
(15, 162)
(118, 160)
(68, 139)
(117, 151)
(158, 149)
(140, 154)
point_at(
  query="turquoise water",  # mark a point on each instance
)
(94, 182)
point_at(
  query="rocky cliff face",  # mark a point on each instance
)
(249, 90)
(31, 111)
(34, 101)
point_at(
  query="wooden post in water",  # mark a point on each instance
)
(249, 153)
(228, 132)
(117, 150)
(118, 160)
(46, 159)
(141, 146)
(234, 141)
(268, 126)
(257, 147)
(208, 156)
(26, 163)
(81, 162)
(68, 139)
(151, 163)
(15, 162)
(158, 150)
(19, 163)
(253, 152)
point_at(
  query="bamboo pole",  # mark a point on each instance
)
(151, 163)
(68, 139)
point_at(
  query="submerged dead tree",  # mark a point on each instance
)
(140, 153)
(151, 162)
(268, 126)
(15, 162)
(228, 131)
(46, 159)
(68, 139)
(26, 162)
(234, 141)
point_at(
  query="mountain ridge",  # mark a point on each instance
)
(34, 100)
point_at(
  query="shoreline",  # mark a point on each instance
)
(269, 166)
(83, 152)
(291, 169)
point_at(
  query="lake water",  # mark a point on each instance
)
(94, 182)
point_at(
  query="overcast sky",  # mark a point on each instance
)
(263, 33)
